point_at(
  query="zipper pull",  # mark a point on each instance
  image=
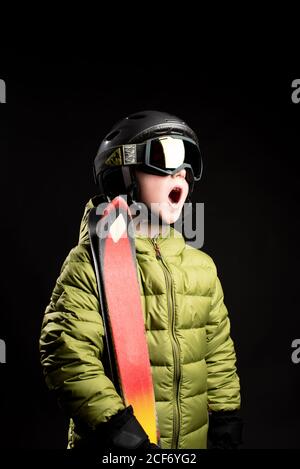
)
(157, 251)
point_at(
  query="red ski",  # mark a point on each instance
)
(113, 249)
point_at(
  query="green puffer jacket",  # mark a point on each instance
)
(188, 332)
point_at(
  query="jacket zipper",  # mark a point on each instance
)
(175, 344)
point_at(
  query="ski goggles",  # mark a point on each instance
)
(161, 155)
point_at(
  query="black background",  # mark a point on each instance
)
(56, 114)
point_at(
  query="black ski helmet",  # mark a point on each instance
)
(135, 128)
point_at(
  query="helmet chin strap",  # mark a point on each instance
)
(131, 185)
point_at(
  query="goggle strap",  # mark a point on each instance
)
(134, 153)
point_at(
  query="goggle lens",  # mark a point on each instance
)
(168, 153)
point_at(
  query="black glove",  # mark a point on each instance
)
(225, 430)
(124, 432)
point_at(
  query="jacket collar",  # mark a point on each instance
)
(169, 245)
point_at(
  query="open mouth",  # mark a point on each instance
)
(175, 195)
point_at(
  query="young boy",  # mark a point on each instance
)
(154, 158)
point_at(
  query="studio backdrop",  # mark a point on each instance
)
(54, 114)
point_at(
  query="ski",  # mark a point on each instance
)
(114, 255)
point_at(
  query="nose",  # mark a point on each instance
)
(180, 173)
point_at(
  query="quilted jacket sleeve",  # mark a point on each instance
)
(71, 344)
(223, 381)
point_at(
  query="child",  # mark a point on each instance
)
(188, 331)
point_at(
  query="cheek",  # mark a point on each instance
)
(152, 188)
(187, 187)
(148, 190)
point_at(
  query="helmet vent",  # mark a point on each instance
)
(112, 135)
(168, 130)
(136, 116)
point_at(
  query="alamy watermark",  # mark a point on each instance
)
(189, 222)
(296, 353)
(2, 351)
(2, 91)
(295, 96)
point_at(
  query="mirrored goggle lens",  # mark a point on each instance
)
(169, 153)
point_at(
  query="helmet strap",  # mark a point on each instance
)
(131, 184)
(127, 177)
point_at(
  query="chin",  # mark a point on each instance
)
(168, 215)
(170, 218)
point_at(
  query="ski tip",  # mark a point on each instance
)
(120, 202)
